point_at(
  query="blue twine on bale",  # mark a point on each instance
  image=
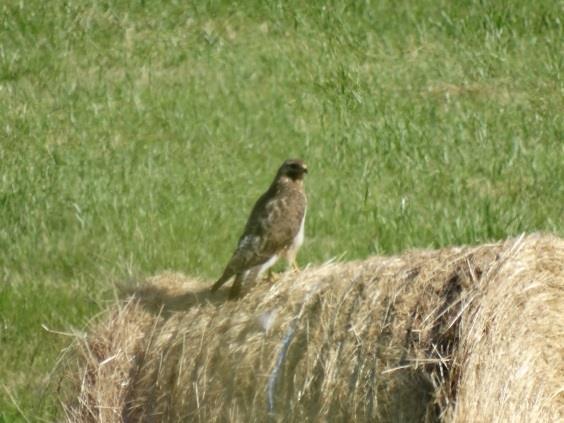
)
(276, 371)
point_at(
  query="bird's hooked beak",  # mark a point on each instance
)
(305, 169)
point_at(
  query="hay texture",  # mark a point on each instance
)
(473, 334)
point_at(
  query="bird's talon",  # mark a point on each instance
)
(272, 277)
(295, 268)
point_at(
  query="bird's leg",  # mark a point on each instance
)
(291, 258)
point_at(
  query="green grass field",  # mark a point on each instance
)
(135, 137)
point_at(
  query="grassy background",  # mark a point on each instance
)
(135, 137)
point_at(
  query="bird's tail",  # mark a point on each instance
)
(224, 278)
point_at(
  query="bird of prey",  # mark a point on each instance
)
(275, 228)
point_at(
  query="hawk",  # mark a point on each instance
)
(275, 228)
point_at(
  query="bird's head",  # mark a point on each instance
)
(293, 169)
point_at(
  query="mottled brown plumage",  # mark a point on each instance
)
(275, 228)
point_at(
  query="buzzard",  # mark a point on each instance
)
(275, 228)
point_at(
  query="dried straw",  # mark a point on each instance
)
(459, 335)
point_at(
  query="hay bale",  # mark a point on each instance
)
(459, 334)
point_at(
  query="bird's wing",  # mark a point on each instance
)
(279, 221)
(272, 226)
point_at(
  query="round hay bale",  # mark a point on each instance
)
(458, 334)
